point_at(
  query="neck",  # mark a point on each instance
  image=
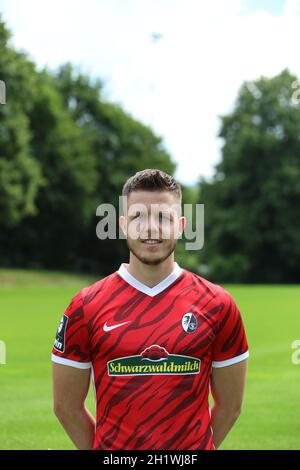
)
(150, 275)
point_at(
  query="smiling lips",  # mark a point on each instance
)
(152, 241)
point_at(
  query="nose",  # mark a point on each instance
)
(151, 227)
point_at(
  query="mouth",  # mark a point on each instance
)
(151, 241)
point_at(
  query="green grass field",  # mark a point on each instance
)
(31, 305)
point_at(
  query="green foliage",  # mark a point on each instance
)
(64, 150)
(20, 173)
(252, 204)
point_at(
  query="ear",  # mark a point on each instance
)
(182, 223)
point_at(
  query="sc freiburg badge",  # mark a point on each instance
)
(189, 322)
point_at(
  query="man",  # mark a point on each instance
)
(156, 337)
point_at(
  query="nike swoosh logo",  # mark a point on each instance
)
(108, 328)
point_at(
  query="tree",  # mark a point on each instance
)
(64, 150)
(251, 204)
(20, 173)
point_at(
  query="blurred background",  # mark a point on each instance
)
(93, 91)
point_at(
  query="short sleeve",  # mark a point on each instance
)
(230, 344)
(71, 344)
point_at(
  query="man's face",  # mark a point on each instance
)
(152, 225)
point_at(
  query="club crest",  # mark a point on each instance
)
(189, 322)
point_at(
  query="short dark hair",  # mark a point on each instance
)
(151, 179)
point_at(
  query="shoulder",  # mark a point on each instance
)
(86, 295)
(98, 288)
(214, 289)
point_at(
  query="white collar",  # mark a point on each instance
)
(146, 289)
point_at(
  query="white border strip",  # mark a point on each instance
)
(69, 362)
(231, 361)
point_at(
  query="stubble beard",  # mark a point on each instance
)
(148, 260)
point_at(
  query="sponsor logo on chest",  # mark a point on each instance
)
(154, 360)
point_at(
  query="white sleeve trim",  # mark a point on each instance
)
(231, 361)
(69, 362)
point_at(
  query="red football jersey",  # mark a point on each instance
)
(151, 351)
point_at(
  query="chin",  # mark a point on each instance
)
(151, 262)
(153, 259)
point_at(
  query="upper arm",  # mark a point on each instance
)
(72, 346)
(227, 385)
(229, 357)
(71, 357)
(70, 386)
(230, 345)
